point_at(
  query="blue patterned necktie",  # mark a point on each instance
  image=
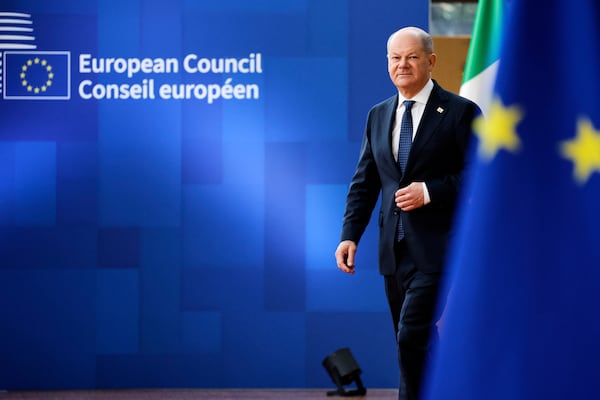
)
(404, 143)
(406, 132)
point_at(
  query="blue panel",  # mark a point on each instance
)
(119, 248)
(244, 162)
(204, 289)
(166, 16)
(202, 332)
(264, 347)
(202, 160)
(140, 178)
(331, 290)
(117, 312)
(250, 7)
(285, 202)
(221, 32)
(332, 161)
(56, 32)
(33, 248)
(77, 203)
(243, 137)
(315, 111)
(77, 161)
(49, 122)
(161, 291)
(7, 183)
(77, 183)
(160, 371)
(48, 336)
(324, 214)
(119, 28)
(35, 183)
(235, 217)
(328, 27)
(324, 211)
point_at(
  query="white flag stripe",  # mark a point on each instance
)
(480, 88)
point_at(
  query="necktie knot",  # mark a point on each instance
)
(408, 105)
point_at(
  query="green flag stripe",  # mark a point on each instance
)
(484, 48)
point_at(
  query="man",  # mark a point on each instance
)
(419, 184)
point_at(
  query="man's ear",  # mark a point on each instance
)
(432, 60)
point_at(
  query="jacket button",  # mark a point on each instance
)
(396, 212)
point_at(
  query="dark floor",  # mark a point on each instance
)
(191, 394)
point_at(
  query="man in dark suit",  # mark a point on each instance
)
(414, 152)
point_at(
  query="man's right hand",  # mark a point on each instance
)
(344, 255)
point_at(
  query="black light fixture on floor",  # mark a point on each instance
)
(344, 370)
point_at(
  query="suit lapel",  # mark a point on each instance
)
(435, 111)
(387, 121)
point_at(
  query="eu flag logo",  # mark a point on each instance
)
(37, 75)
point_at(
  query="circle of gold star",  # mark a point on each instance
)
(36, 63)
(583, 150)
(498, 130)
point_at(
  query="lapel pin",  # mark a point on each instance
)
(440, 110)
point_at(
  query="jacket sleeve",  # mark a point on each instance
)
(363, 191)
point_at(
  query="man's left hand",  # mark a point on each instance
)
(410, 197)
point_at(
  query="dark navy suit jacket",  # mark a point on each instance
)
(437, 157)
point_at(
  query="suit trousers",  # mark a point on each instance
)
(413, 300)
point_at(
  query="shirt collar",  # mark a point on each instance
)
(420, 97)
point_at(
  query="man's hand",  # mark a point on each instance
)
(344, 255)
(410, 197)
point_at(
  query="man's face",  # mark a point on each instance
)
(408, 64)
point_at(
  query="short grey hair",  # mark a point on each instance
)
(426, 40)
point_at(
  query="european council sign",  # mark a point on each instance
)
(37, 75)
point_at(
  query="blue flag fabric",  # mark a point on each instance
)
(36, 75)
(522, 319)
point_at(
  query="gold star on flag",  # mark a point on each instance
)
(498, 130)
(583, 150)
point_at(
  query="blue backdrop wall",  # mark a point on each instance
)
(172, 183)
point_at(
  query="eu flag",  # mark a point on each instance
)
(522, 320)
(37, 75)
